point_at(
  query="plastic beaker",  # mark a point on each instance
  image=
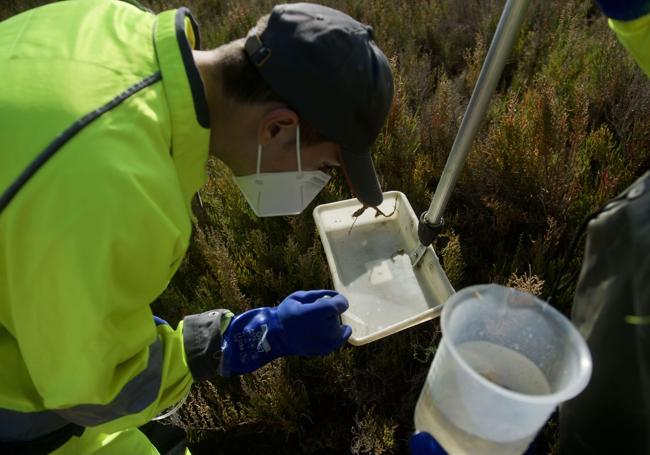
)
(505, 361)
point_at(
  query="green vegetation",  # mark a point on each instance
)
(567, 130)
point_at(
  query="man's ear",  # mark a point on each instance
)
(275, 122)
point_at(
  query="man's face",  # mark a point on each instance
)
(280, 189)
(281, 157)
(236, 138)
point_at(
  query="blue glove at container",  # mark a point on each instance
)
(422, 443)
(305, 323)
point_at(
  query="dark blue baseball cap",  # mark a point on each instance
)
(328, 68)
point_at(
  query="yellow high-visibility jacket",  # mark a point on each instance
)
(104, 132)
(635, 36)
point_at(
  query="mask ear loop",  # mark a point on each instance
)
(298, 158)
(259, 160)
(298, 149)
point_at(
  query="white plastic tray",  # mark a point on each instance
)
(370, 265)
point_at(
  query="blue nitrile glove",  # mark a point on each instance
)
(422, 443)
(624, 10)
(305, 323)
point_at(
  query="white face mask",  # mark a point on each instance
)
(281, 193)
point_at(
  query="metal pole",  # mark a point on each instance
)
(504, 39)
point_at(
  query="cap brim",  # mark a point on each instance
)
(361, 176)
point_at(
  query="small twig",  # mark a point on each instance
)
(359, 212)
(356, 216)
(378, 212)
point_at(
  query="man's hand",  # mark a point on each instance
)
(305, 323)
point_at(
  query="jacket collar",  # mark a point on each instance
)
(175, 35)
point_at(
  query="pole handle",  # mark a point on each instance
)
(502, 43)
